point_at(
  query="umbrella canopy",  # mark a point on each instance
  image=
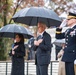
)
(11, 29)
(59, 42)
(31, 16)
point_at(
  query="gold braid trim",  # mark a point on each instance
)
(58, 32)
(71, 17)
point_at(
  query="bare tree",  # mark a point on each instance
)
(60, 6)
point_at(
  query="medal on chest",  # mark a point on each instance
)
(72, 33)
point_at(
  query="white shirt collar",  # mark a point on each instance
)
(42, 33)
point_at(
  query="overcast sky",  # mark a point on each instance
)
(74, 1)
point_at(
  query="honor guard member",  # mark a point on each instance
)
(69, 55)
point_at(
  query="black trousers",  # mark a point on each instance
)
(57, 50)
(69, 68)
(41, 69)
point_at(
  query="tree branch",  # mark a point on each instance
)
(18, 4)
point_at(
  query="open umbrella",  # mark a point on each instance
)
(32, 15)
(11, 29)
(59, 42)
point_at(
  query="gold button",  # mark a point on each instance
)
(66, 43)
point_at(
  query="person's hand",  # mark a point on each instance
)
(63, 24)
(15, 47)
(29, 46)
(40, 40)
(60, 53)
(36, 43)
(13, 52)
(75, 61)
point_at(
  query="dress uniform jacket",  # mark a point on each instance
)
(70, 45)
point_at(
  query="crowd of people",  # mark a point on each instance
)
(40, 49)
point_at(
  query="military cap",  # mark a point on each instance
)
(71, 15)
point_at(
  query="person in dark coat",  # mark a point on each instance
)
(18, 53)
(57, 50)
(69, 55)
(42, 46)
(31, 53)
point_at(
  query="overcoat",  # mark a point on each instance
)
(18, 59)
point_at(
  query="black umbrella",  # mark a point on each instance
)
(31, 16)
(11, 29)
(59, 42)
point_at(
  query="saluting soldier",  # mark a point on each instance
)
(69, 55)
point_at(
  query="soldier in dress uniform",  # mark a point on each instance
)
(69, 55)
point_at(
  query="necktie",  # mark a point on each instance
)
(39, 37)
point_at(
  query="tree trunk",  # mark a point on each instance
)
(2, 48)
(2, 41)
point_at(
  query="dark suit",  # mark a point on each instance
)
(70, 48)
(43, 55)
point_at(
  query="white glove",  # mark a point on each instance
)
(63, 24)
(75, 61)
(29, 46)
